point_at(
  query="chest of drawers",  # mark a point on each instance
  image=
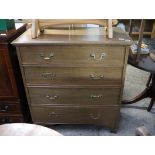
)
(13, 103)
(74, 78)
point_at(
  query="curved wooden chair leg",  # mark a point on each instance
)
(149, 80)
(141, 96)
(151, 104)
(142, 131)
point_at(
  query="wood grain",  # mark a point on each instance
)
(88, 36)
(98, 115)
(7, 108)
(63, 71)
(7, 79)
(74, 96)
(73, 75)
(11, 118)
(73, 55)
(13, 103)
(110, 29)
(153, 31)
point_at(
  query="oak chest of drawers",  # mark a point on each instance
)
(74, 78)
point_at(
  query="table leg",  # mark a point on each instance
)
(141, 96)
(152, 93)
(148, 92)
(151, 104)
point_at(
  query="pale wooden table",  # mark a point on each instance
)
(24, 129)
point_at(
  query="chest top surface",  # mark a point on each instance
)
(76, 36)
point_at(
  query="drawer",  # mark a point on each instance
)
(83, 55)
(100, 115)
(11, 119)
(73, 75)
(9, 108)
(74, 96)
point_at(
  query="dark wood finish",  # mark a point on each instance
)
(153, 30)
(11, 119)
(9, 108)
(147, 64)
(12, 95)
(67, 68)
(7, 80)
(142, 26)
(133, 27)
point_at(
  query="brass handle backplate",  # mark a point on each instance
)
(48, 75)
(95, 116)
(96, 96)
(96, 77)
(42, 55)
(3, 108)
(101, 57)
(51, 97)
(54, 114)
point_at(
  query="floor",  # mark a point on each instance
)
(132, 116)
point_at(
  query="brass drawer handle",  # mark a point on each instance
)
(4, 108)
(54, 114)
(5, 120)
(92, 76)
(48, 75)
(96, 96)
(51, 97)
(48, 57)
(51, 113)
(101, 57)
(95, 116)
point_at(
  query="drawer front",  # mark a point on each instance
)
(90, 55)
(11, 119)
(9, 108)
(77, 115)
(73, 75)
(74, 96)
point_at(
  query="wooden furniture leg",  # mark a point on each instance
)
(142, 26)
(151, 104)
(141, 96)
(149, 80)
(152, 94)
(130, 26)
(153, 31)
(148, 92)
